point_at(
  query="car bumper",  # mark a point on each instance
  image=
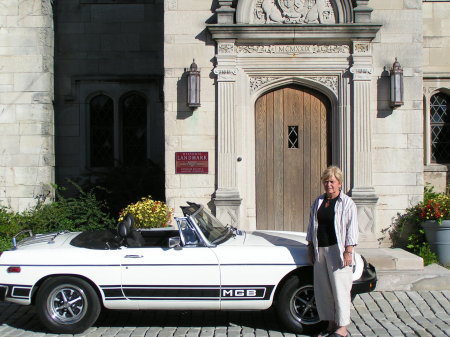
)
(367, 282)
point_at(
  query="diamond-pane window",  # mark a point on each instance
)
(293, 137)
(440, 128)
(134, 129)
(102, 131)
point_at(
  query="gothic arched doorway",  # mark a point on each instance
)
(292, 149)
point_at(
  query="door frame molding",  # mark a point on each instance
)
(244, 76)
(336, 123)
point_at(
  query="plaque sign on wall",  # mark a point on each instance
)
(191, 162)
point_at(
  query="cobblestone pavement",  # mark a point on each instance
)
(398, 313)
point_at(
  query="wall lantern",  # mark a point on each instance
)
(396, 84)
(193, 86)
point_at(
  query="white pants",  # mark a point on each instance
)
(332, 286)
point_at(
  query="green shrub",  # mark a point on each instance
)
(80, 213)
(407, 233)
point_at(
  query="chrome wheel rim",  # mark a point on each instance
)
(67, 304)
(303, 306)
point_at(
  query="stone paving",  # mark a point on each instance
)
(396, 313)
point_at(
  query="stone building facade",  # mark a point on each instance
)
(287, 88)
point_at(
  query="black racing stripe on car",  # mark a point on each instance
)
(207, 265)
(113, 292)
(259, 264)
(246, 292)
(172, 299)
(235, 292)
(64, 265)
(3, 290)
(174, 293)
(21, 291)
(170, 265)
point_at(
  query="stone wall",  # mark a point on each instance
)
(188, 130)
(436, 69)
(26, 95)
(397, 133)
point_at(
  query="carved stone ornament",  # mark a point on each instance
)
(361, 73)
(225, 74)
(293, 49)
(428, 90)
(361, 48)
(226, 48)
(172, 4)
(329, 81)
(257, 82)
(366, 220)
(294, 11)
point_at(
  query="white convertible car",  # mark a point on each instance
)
(201, 265)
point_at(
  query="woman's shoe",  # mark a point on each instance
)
(324, 333)
(335, 334)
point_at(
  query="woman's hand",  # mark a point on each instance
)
(348, 258)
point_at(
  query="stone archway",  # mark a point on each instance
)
(254, 55)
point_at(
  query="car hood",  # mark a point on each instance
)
(269, 238)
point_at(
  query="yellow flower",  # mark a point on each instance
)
(148, 213)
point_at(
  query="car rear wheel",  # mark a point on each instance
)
(67, 304)
(296, 305)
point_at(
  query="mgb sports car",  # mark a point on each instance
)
(199, 264)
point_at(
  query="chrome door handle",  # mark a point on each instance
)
(134, 256)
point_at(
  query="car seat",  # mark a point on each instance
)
(130, 236)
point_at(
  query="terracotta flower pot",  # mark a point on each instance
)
(438, 236)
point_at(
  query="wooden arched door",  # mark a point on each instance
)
(292, 150)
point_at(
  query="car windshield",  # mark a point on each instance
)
(211, 228)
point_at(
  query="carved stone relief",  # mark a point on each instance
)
(226, 48)
(361, 73)
(366, 220)
(172, 4)
(361, 48)
(329, 81)
(428, 90)
(225, 74)
(294, 11)
(257, 82)
(293, 49)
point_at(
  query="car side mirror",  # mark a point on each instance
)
(175, 242)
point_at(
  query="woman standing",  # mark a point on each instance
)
(332, 234)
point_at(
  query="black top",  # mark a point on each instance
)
(326, 235)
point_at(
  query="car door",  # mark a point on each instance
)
(182, 277)
(250, 275)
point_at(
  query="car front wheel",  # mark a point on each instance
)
(67, 305)
(296, 305)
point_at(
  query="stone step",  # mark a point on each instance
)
(398, 269)
(392, 259)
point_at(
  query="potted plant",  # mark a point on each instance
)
(434, 216)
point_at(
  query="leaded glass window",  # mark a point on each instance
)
(134, 129)
(440, 128)
(293, 137)
(101, 110)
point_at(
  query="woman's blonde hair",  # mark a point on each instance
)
(331, 171)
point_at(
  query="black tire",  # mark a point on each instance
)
(67, 305)
(296, 305)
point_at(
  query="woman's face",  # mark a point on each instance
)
(332, 186)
